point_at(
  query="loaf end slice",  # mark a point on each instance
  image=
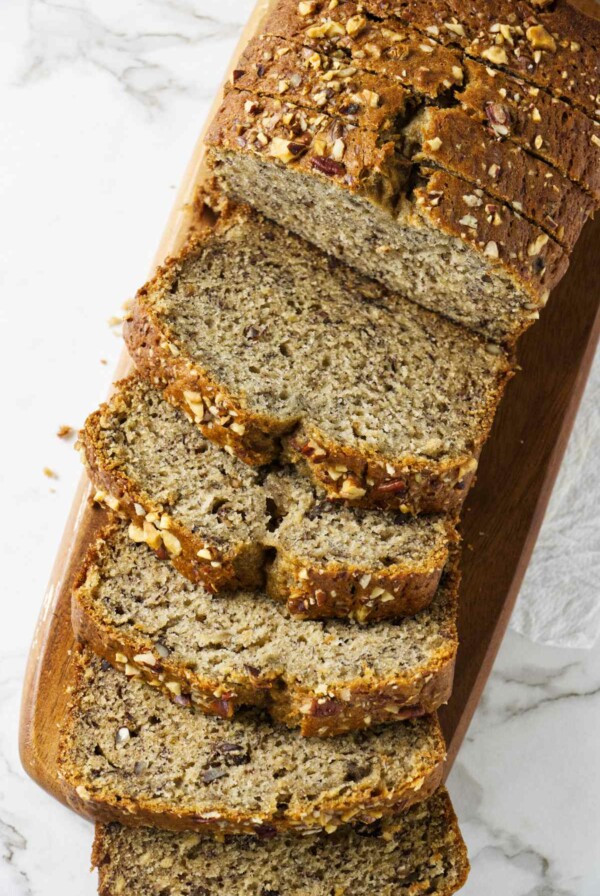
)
(420, 851)
(382, 403)
(128, 754)
(220, 653)
(219, 521)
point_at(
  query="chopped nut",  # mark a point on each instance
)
(457, 73)
(65, 432)
(540, 39)
(355, 25)
(146, 659)
(491, 249)
(469, 221)
(338, 150)
(499, 118)
(174, 687)
(495, 54)
(280, 149)
(595, 139)
(472, 201)
(120, 658)
(494, 170)
(123, 735)
(307, 7)
(352, 490)
(434, 144)
(49, 473)
(538, 142)
(535, 114)
(535, 247)
(172, 543)
(371, 98)
(238, 428)
(455, 28)
(204, 554)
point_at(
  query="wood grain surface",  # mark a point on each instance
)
(501, 519)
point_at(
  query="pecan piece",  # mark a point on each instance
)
(327, 166)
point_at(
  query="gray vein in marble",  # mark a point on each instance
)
(65, 35)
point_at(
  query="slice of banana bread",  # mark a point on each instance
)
(384, 403)
(220, 653)
(128, 754)
(486, 268)
(552, 45)
(219, 521)
(421, 851)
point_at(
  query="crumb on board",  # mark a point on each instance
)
(103, 361)
(51, 474)
(64, 431)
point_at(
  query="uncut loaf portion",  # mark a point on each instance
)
(418, 231)
(319, 57)
(293, 76)
(243, 649)
(275, 349)
(219, 521)
(549, 43)
(128, 754)
(421, 851)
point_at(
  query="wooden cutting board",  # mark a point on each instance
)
(501, 519)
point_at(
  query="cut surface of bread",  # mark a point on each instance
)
(263, 340)
(220, 653)
(220, 522)
(129, 754)
(421, 851)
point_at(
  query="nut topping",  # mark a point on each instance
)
(540, 39)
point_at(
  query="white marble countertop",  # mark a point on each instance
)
(101, 104)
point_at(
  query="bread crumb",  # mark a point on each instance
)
(103, 361)
(51, 474)
(64, 431)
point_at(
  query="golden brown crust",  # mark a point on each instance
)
(273, 66)
(391, 48)
(359, 805)
(544, 125)
(348, 706)
(556, 48)
(453, 140)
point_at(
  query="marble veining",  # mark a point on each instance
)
(102, 101)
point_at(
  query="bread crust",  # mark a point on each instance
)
(406, 55)
(349, 706)
(453, 140)
(357, 804)
(556, 48)
(284, 69)
(531, 118)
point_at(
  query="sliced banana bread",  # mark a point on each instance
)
(552, 44)
(261, 338)
(453, 140)
(219, 521)
(128, 754)
(485, 267)
(421, 851)
(544, 125)
(220, 653)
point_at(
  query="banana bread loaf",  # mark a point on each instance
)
(408, 399)
(540, 117)
(129, 754)
(419, 852)
(219, 521)
(220, 653)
